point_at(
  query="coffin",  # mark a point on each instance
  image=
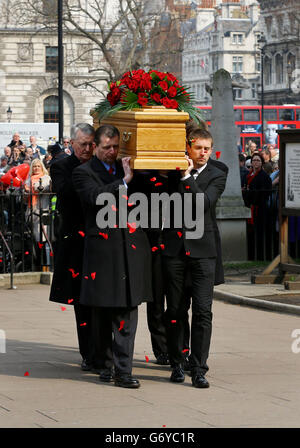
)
(154, 137)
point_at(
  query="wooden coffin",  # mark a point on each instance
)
(154, 137)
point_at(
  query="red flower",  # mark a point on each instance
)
(218, 154)
(142, 99)
(146, 82)
(172, 91)
(163, 85)
(174, 104)
(156, 97)
(168, 103)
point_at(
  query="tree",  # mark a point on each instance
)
(116, 34)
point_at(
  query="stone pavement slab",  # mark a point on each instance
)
(254, 375)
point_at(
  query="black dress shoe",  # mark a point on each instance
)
(106, 375)
(127, 381)
(163, 359)
(85, 365)
(200, 381)
(177, 375)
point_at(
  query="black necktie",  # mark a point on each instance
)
(193, 172)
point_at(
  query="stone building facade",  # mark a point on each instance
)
(281, 53)
(226, 36)
(29, 79)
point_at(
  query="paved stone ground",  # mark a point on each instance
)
(254, 375)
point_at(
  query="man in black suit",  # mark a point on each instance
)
(198, 256)
(68, 250)
(117, 259)
(219, 274)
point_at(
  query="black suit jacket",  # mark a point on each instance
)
(68, 248)
(219, 272)
(211, 181)
(117, 261)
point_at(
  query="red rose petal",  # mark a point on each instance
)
(81, 233)
(125, 197)
(27, 253)
(177, 168)
(188, 253)
(218, 154)
(121, 325)
(158, 184)
(154, 249)
(51, 254)
(153, 179)
(114, 208)
(70, 300)
(131, 226)
(63, 308)
(93, 275)
(86, 277)
(130, 204)
(40, 245)
(187, 187)
(73, 273)
(147, 358)
(185, 350)
(173, 321)
(133, 246)
(83, 324)
(26, 374)
(104, 235)
(179, 234)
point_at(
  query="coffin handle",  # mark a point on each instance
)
(126, 136)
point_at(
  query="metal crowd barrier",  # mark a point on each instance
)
(26, 232)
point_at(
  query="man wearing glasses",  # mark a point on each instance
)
(67, 147)
(198, 256)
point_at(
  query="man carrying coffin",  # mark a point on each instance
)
(117, 259)
(198, 256)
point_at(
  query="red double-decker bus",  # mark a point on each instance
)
(248, 121)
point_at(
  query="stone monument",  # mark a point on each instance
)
(231, 212)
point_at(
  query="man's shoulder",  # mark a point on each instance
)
(84, 168)
(215, 171)
(220, 165)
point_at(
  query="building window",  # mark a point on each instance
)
(279, 69)
(51, 59)
(268, 70)
(237, 64)
(253, 90)
(215, 63)
(237, 94)
(257, 65)
(237, 38)
(51, 109)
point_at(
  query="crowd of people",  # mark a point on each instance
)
(259, 171)
(16, 152)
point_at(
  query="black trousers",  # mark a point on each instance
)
(156, 309)
(116, 329)
(202, 272)
(83, 315)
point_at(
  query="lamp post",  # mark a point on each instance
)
(262, 42)
(60, 70)
(9, 114)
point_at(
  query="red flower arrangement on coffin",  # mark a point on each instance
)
(139, 89)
